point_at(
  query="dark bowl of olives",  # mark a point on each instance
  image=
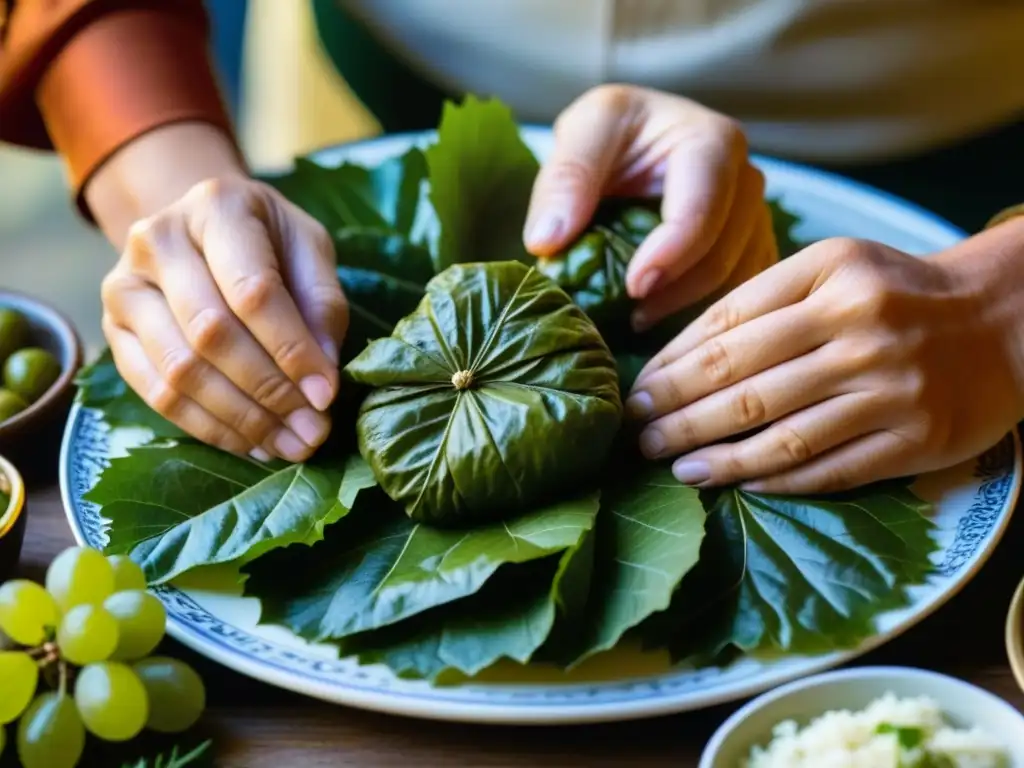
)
(12, 518)
(40, 355)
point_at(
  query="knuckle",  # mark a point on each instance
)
(164, 399)
(144, 241)
(730, 467)
(571, 174)
(731, 133)
(253, 293)
(748, 407)
(792, 445)
(222, 194)
(713, 361)
(274, 392)
(720, 317)
(179, 366)
(255, 424)
(110, 290)
(681, 432)
(327, 298)
(862, 353)
(209, 329)
(615, 98)
(666, 390)
(915, 387)
(291, 353)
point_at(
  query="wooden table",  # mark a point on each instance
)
(257, 726)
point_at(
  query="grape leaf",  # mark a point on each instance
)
(800, 574)
(174, 508)
(390, 197)
(384, 276)
(511, 617)
(101, 387)
(783, 221)
(379, 567)
(629, 367)
(481, 175)
(649, 535)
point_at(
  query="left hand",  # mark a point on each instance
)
(855, 362)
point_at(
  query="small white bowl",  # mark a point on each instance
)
(963, 704)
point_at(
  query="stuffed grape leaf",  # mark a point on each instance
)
(484, 397)
(593, 268)
(377, 567)
(178, 507)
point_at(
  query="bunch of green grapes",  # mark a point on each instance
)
(77, 660)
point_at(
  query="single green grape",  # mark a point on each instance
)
(127, 573)
(177, 696)
(111, 701)
(10, 404)
(27, 611)
(79, 575)
(87, 634)
(20, 675)
(50, 733)
(14, 332)
(141, 621)
(30, 372)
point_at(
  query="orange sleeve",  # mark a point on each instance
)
(85, 77)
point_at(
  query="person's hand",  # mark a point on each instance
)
(627, 141)
(853, 362)
(225, 314)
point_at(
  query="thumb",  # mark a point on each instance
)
(590, 137)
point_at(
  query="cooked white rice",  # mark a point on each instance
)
(845, 739)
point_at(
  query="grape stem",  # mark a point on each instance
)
(62, 686)
(45, 654)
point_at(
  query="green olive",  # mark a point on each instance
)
(13, 332)
(10, 405)
(30, 372)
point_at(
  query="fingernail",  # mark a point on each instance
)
(651, 443)
(648, 283)
(317, 391)
(544, 229)
(754, 486)
(289, 446)
(259, 454)
(310, 426)
(639, 406)
(640, 321)
(331, 350)
(691, 472)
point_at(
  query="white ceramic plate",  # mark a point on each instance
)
(973, 506)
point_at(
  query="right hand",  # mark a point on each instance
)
(225, 314)
(616, 140)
